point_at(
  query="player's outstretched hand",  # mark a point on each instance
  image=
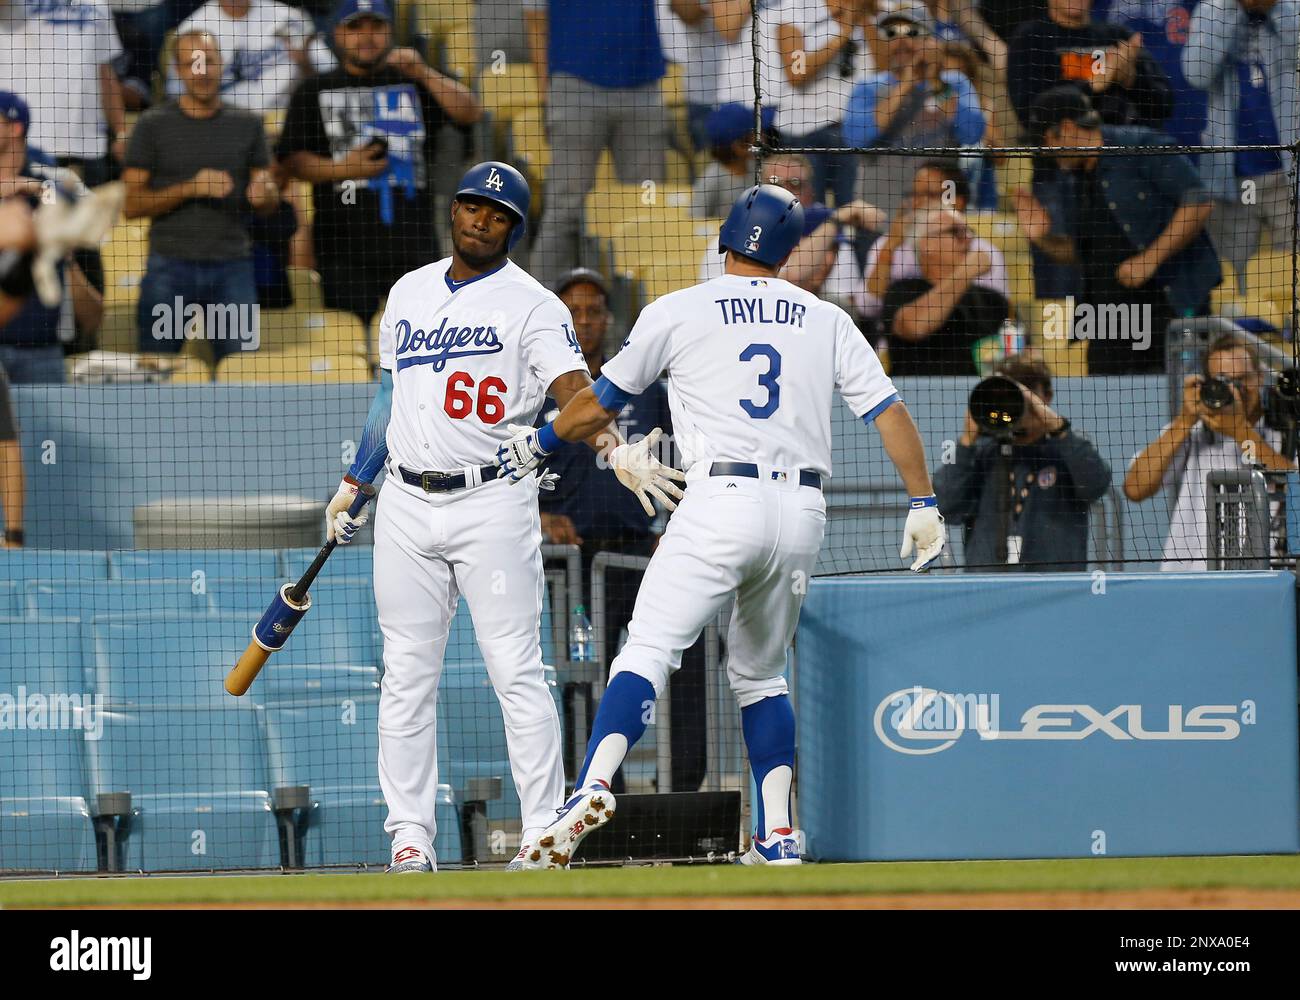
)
(646, 476)
(521, 454)
(925, 533)
(339, 527)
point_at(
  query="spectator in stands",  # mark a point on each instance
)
(600, 80)
(1163, 25)
(1053, 476)
(30, 347)
(1135, 229)
(267, 47)
(586, 509)
(824, 262)
(914, 103)
(195, 166)
(824, 52)
(58, 56)
(142, 27)
(13, 484)
(973, 49)
(700, 32)
(1104, 61)
(730, 172)
(1201, 440)
(363, 136)
(1244, 53)
(936, 184)
(936, 321)
(735, 80)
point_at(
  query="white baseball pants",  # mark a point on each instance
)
(429, 549)
(755, 538)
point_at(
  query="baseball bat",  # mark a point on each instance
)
(283, 613)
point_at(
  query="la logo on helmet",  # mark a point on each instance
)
(494, 180)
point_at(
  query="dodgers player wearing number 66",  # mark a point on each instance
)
(469, 347)
(753, 363)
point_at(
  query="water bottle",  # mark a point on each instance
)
(1013, 338)
(582, 640)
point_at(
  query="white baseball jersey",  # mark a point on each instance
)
(751, 364)
(469, 359)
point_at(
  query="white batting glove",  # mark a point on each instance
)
(338, 526)
(521, 454)
(925, 532)
(646, 476)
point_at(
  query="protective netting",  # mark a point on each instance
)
(1097, 204)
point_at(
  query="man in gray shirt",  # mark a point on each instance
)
(194, 166)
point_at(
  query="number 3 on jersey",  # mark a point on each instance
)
(459, 404)
(768, 380)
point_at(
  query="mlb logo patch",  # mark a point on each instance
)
(780, 477)
(1047, 477)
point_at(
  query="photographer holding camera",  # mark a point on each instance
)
(1026, 491)
(1221, 426)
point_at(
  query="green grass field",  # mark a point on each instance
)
(1085, 875)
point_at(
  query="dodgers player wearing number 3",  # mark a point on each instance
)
(469, 348)
(753, 362)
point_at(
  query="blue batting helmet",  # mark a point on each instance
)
(765, 224)
(503, 184)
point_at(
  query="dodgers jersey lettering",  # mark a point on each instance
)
(752, 364)
(469, 359)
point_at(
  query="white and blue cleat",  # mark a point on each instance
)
(528, 859)
(410, 861)
(589, 808)
(780, 848)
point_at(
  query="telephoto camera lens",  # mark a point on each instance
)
(1216, 393)
(997, 405)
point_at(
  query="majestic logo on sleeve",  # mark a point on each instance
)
(442, 344)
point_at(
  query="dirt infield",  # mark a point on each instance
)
(1141, 899)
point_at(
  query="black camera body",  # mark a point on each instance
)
(997, 406)
(1216, 393)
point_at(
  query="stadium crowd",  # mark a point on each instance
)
(262, 140)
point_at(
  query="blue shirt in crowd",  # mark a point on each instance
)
(609, 44)
(591, 496)
(1164, 26)
(860, 128)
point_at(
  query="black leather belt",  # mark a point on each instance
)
(445, 482)
(748, 470)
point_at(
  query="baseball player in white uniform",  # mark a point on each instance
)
(753, 363)
(469, 348)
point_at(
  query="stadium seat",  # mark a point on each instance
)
(346, 561)
(44, 822)
(52, 564)
(198, 783)
(330, 597)
(293, 366)
(183, 659)
(528, 141)
(1268, 275)
(303, 329)
(331, 745)
(509, 92)
(176, 564)
(1064, 357)
(11, 605)
(285, 682)
(307, 293)
(90, 598)
(44, 654)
